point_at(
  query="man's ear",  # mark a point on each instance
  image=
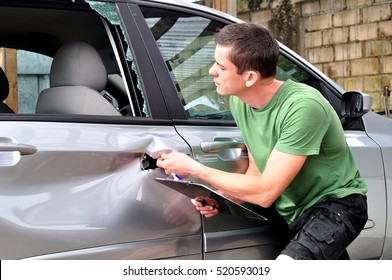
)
(251, 78)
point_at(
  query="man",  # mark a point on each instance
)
(298, 157)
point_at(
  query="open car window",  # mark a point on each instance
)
(46, 83)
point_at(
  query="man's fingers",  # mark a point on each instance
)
(200, 201)
(204, 201)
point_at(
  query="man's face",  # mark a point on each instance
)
(226, 79)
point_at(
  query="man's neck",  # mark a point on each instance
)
(261, 93)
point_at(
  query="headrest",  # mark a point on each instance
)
(78, 64)
(4, 85)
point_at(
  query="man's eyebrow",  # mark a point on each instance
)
(219, 64)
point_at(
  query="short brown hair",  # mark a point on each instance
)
(253, 47)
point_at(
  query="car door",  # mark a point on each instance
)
(202, 118)
(81, 186)
(184, 38)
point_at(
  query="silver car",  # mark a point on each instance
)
(104, 88)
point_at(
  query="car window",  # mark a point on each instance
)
(288, 70)
(38, 90)
(131, 83)
(33, 76)
(187, 46)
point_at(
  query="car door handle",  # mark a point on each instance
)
(9, 145)
(221, 144)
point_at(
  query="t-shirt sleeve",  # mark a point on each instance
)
(303, 127)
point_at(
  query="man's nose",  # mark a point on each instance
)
(212, 70)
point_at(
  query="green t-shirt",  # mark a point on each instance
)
(299, 120)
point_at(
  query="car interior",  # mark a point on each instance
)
(77, 77)
(22, 29)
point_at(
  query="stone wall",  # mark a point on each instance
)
(349, 40)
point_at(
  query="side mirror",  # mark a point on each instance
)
(355, 104)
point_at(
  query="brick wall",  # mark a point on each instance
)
(349, 40)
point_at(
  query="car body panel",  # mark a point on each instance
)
(379, 130)
(79, 187)
(84, 189)
(366, 150)
(227, 236)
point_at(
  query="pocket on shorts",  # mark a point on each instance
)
(321, 231)
(328, 234)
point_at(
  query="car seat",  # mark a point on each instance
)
(77, 76)
(4, 91)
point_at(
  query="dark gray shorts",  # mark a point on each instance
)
(324, 231)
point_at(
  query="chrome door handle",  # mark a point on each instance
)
(221, 144)
(9, 145)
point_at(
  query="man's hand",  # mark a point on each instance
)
(179, 163)
(207, 206)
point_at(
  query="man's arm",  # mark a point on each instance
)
(261, 189)
(251, 170)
